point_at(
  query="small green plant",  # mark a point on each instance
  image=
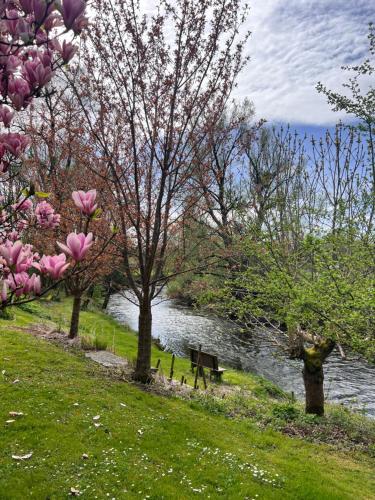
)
(210, 403)
(6, 314)
(35, 309)
(267, 388)
(89, 343)
(285, 411)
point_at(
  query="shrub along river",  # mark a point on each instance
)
(350, 382)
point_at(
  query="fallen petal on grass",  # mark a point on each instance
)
(22, 457)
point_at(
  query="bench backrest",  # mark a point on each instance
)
(205, 359)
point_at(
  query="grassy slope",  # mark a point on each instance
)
(153, 447)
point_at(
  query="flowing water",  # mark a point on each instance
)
(350, 382)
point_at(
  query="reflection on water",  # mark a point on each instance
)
(178, 327)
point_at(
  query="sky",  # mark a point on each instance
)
(295, 44)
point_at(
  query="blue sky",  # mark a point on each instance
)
(296, 43)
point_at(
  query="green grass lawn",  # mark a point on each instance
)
(147, 446)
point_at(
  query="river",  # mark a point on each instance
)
(349, 382)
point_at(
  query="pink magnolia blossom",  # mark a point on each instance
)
(11, 252)
(40, 11)
(67, 51)
(6, 114)
(33, 285)
(46, 216)
(13, 235)
(36, 74)
(54, 265)
(85, 201)
(4, 56)
(27, 5)
(17, 256)
(22, 283)
(14, 143)
(22, 224)
(19, 93)
(71, 10)
(77, 245)
(16, 282)
(12, 21)
(79, 24)
(13, 63)
(23, 205)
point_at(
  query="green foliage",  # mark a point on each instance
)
(6, 314)
(191, 288)
(267, 388)
(96, 215)
(31, 307)
(286, 411)
(95, 343)
(326, 284)
(41, 194)
(36, 309)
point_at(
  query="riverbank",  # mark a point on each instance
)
(156, 446)
(347, 382)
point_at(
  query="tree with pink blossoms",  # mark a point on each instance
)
(31, 50)
(76, 247)
(62, 163)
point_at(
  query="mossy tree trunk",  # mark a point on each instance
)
(74, 322)
(313, 375)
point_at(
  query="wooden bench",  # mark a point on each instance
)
(206, 360)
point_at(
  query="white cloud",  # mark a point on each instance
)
(296, 43)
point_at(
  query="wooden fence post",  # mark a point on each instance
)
(172, 366)
(197, 367)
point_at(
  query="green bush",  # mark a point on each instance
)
(267, 388)
(6, 314)
(285, 411)
(93, 343)
(35, 309)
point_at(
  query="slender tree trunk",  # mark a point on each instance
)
(74, 322)
(89, 296)
(107, 297)
(143, 366)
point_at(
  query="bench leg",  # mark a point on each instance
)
(215, 375)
